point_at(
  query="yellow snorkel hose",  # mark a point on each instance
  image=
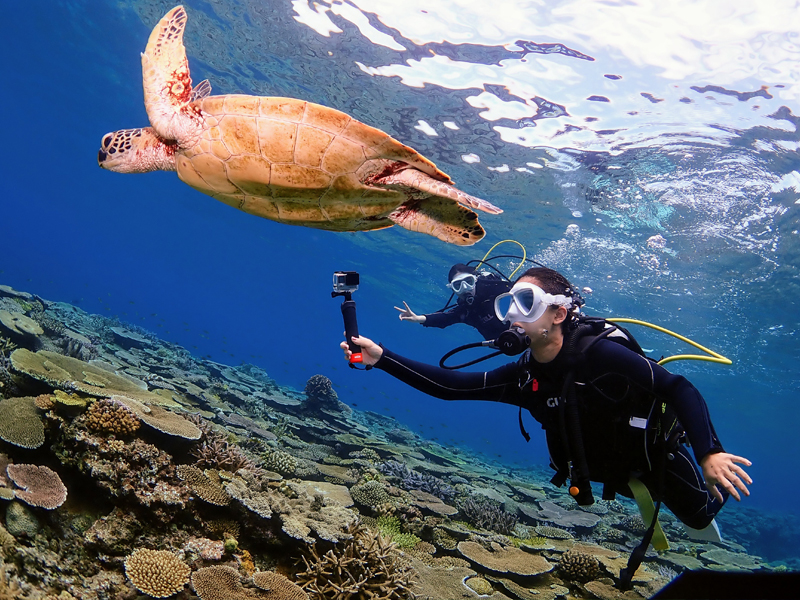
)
(713, 356)
(522, 262)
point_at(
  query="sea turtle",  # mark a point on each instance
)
(284, 159)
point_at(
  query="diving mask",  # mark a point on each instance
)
(463, 283)
(526, 303)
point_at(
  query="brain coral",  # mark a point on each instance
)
(158, 573)
(20, 423)
(109, 416)
(42, 487)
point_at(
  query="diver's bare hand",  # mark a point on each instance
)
(721, 470)
(370, 351)
(406, 314)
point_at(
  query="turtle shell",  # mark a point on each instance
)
(296, 162)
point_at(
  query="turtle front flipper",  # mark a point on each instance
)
(167, 83)
(412, 178)
(441, 218)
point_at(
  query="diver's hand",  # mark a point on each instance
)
(721, 470)
(406, 314)
(370, 351)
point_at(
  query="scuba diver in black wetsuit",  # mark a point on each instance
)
(475, 294)
(608, 412)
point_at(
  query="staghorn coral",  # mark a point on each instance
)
(364, 566)
(109, 416)
(578, 566)
(42, 487)
(157, 573)
(215, 452)
(206, 485)
(486, 513)
(20, 423)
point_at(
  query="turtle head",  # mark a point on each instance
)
(136, 151)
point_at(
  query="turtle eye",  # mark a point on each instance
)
(106, 141)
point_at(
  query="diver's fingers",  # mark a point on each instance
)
(740, 459)
(742, 474)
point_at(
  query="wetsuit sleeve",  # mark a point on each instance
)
(677, 391)
(444, 319)
(499, 385)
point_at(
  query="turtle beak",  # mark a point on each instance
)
(101, 157)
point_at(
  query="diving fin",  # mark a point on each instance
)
(710, 533)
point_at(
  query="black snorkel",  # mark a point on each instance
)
(510, 342)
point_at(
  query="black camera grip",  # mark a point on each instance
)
(351, 329)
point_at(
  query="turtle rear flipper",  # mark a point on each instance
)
(441, 218)
(167, 83)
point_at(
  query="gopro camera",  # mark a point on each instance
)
(345, 281)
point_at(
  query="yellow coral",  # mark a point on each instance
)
(158, 573)
(108, 416)
(20, 423)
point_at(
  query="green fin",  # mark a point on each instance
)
(647, 509)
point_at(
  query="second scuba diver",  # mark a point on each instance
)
(475, 293)
(608, 412)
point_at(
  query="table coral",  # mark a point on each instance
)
(278, 587)
(157, 573)
(504, 560)
(42, 487)
(20, 423)
(206, 485)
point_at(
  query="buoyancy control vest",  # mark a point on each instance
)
(604, 440)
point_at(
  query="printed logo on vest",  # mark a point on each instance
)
(535, 385)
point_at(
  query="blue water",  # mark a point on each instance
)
(628, 146)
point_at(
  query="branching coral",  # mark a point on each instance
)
(109, 416)
(579, 566)
(488, 514)
(413, 480)
(365, 566)
(215, 452)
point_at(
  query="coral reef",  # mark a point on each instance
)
(363, 566)
(488, 514)
(157, 573)
(41, 486)
(413, 480)
(319, 390)
(578, 566)
(109, 416)
(20, 423)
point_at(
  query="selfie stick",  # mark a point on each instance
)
(351, 327)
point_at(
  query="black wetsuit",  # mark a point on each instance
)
(477, 312)
(610, 374)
